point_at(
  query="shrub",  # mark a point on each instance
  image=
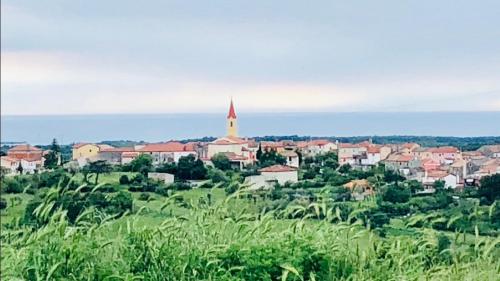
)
(217, 175)
(180, 186)
(124, 179)
(139, 178)
(3, 203)
(163, 191)
(207, 184)
(30, 190)
(121, 202)
(144, 196)
(11, 185)
(396, 194)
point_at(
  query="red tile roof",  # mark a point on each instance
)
(277, 169)
(439, 174)
(10, 159)
(444, 149)
(270, 144)
(301, 144)
(410, 145)
(118, 149)
(232, 113)
(24, 148)
(229, 140)
(399, 158)
(166, 147)
(319, 142)
(373, 149)
(235, 157)
(348, 145)
(78, 145)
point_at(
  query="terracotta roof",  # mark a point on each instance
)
(232, 113)
(444, 149)
(301, 144)
(228, 140)
(78, 145)
(320, 142)
(277, 169)
(348, 145)
(271, 144)
(492, 148)
(104, 146)
(9, 159)
(166, 147)
(117, 149)
(129, 154)
(235, 157)
(410, 145)
(399, 158)
(24, 148)
(253, 143)
(439, 174)
(373, 149)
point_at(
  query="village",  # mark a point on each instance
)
(427, 165)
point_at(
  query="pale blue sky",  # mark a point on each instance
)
(84, 57)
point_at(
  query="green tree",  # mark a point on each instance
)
(258, 154)
(344, 169)
(190, 168)
(221, 161)
(396, 194)
(97, 167)
(20, 168)
(329, 159)
(490, 188)
(142, 163)
(270, 158)
(52, 159)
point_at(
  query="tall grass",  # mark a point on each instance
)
(224, 241)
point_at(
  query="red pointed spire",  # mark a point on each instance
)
(232, 113)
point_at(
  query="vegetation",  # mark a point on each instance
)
(127, 226)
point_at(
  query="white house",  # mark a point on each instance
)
(292, 158)
(320, 146)
(165, 177)
(166, 152)
(272, 175)
(450, 180)
(29, 166)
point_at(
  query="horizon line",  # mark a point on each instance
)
(247, 112)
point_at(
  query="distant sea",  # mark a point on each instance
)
(161, 127)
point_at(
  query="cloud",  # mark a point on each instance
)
(171, 56)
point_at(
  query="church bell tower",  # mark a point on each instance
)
(232, 122)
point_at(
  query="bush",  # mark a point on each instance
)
(163, 191)
(217, 176)
(207, 184)
(396, 194)
(124, 179)
(3, 203)
(121, 202)
(144, 196)
(180, 186)
(30, 190)
(11, 185)
(139, 178)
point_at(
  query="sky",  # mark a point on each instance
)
(90, 57)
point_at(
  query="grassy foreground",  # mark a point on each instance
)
(225, 240)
